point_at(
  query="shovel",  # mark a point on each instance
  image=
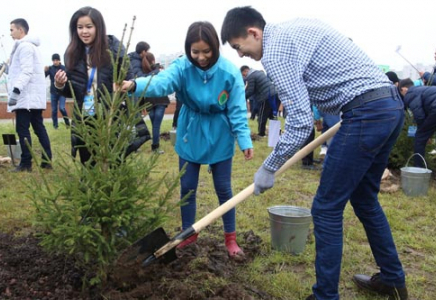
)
(157, 245)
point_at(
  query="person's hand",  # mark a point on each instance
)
(318, 125)
(60, 79)
(13, 99)
(127, 86)
(248, 153)
(263, 180)
(421, 74)
(46, 69)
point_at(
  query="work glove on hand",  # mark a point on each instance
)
(263, 180)
(13, 99)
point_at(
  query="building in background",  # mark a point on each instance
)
(166, 59)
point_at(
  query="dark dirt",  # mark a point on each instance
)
(202, 271)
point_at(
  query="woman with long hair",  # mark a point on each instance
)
(88, 66)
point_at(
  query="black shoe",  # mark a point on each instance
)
(21, 168)
(155, 149)
(46, 166)
(311, 297)
(374, 284)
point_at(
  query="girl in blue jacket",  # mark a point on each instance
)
(212, 118)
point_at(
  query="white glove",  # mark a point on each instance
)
(263, 180)
(13, 99)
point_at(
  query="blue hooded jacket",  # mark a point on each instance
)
(214, 111)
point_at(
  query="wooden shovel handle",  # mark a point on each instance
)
(245, 193)
(241, 196)
(3, 68)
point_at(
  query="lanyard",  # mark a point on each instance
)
(91, 79)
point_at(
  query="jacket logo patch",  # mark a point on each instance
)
(223, 97)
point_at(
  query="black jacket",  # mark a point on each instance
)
(136, 65)
(421, 100)
(52, 72)
(259, 86)
(79, 74)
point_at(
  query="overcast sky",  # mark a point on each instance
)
(377, 26)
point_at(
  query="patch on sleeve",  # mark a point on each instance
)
(223, 97)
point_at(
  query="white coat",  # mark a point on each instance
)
(26, 72)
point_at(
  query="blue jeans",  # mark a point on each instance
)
(356, 159)
(156, 116)
(24, 119)
(221, 173)
(328, 121)
(58, 100)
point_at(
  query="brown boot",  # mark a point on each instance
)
(232, 246)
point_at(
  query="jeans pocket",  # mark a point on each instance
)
(375, 133)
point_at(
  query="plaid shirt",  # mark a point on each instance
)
(312, 64)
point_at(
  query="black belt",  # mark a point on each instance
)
(372, 95)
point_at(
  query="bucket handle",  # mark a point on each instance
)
(425, 163)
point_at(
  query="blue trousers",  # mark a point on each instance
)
(328, 121)
(356, 159)
(221, 173)
(423, 133)
(156, 116)
(24, 119)
(58, 101)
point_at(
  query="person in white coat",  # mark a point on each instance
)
(28, 94)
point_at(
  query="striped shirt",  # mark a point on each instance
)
(310, 63)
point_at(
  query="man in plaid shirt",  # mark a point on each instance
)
(310, 63)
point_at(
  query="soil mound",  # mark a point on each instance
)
(202, 271)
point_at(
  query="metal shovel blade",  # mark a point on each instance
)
(144, 249)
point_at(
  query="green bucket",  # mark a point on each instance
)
(415, 181)
(289, 228)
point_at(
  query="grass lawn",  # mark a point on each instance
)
(285, 276)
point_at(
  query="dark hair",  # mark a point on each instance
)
(21, 23)
(98, 52)
(202, 31)
(392, 76)
(142, 46)
(55, 56)
(148, 64)
(407, 83)
(237, 21)
(244, 67)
